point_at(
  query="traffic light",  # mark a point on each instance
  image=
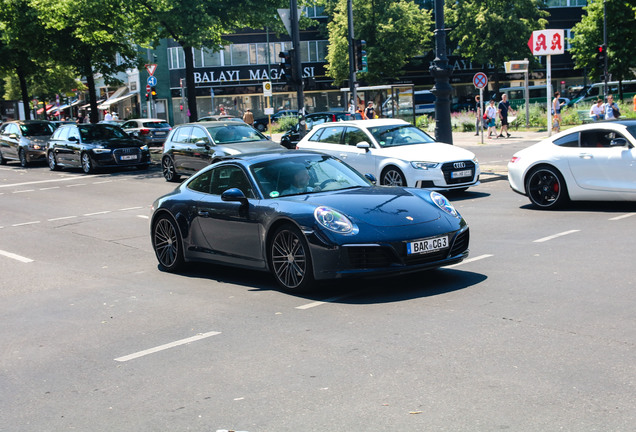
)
(147, 95)
(601, 57)
(287, 65)
(360, 55)
(153, 93)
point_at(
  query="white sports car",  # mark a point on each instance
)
(395, 152)
(593, 162)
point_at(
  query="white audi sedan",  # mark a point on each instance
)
(395, 152)
(593, 162)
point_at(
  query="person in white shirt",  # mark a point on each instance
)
(491, 114)
(611, 109)
(597, 111)
(108, 116)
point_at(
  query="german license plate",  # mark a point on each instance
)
(128, 157)
(160, 133)
(459, 174)
(426, 245)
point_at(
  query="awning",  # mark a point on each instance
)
(57, 108)
(89, 104)
(114, 100)
(41, 110)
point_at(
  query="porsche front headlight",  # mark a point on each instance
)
(443, 203)
(334, 221)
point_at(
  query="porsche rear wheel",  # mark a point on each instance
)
(290, 260)
(546, 188)
(166, 241)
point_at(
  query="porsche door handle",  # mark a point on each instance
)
(203, 213)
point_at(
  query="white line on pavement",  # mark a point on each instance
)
(130, 208)
(329, 300)
(16, 257)
(22, 191)
(97, 213)
(469, 260)
(49, 188)
(166, 346)
(38, 182)
(77, 184)
(545, 239)
(61, 218)
(623, 216)
(25, 223)
(143, 216)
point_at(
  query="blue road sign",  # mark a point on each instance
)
(152, 81)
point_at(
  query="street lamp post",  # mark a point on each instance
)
(441, 71)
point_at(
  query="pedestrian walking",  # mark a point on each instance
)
(504, 108)
(611, 109)
(108, 116)
(597, 111)
(491, 114)
(248, 117)
(479, 121)
(556, 112)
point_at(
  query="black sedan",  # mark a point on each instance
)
(24, 141)
(304, 217)
(92, 146)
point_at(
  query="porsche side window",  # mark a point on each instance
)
(598, 138)
(201, 183)
(227, 177)
(571, 140)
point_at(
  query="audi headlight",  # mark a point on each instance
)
(143, 148)
(443, 203)
(334, 221)
(424, 165)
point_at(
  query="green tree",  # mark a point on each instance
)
(494, 31)
(90, 35)
(197, 24)
(401, 25)
(621, 39)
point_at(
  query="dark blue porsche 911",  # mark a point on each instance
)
(304, 217)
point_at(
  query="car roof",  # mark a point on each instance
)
(207, 123)
(256, 157)
(366, 123)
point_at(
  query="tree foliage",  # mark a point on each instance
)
(494, 31)
(198, 23)
(395, 31)
(621, 39)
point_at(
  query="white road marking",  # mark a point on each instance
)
(38, 182)
(545, 239)
(329, 300)
(49, 188)
(61, 218)
(166, 346)
(469, 260)
(105, 181)
(97, 213)
(22, 191)
(130, 208)
(623, 216)
(25, 223)
(16, 257)
(77, 184)
(143, 216)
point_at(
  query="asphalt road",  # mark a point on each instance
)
(534, 332)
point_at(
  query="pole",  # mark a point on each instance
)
(605, 43)
(352, 66)
(481, 110)
(548, 89)
(441, 71)
(300, 97)
(527, 95)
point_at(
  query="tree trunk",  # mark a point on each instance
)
(24, 92)
(190, 87)
(92, 94)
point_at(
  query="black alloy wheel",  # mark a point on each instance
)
(392, 176)
(169, 170)
(3, 161)
(546, 188)
(166, 241)
(87, 163)
(52, 160)
(290, 260)
(23, 158)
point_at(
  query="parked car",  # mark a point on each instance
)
(291, 137)
(396, 152)
(150, 131)
(58, 123)
(261, 123)
(24, 141)
(221, 117)
(304, 217)
(593, 162)
(92, 146)
(193, 146)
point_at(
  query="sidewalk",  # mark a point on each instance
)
(464, 139)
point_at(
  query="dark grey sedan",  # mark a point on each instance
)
(24, 141)
(193, 146)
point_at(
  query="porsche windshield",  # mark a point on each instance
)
(399, 135)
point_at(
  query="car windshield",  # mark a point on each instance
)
(305, 174)
(234, 133)
(37, 129)
(632, 130)
(100, 132)
(156, 125)
(399, 135)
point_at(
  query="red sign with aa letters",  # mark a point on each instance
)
(546, 42)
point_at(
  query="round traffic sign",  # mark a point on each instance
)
(152, 81)
(480, 80)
